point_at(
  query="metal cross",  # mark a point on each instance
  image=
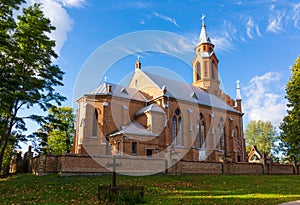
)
(114, 178)
(203, 17)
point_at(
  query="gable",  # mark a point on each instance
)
(146, 85)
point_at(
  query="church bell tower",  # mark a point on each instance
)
(205, 64)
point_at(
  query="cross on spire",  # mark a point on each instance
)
(203, 17)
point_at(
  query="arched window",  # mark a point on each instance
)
(179, 135)
(222, 140)
(174, 129)
(236, 138)
(221, 136)
(202, 128)
(95, 124)
(177, 128)
(198, 70)
(200, 141)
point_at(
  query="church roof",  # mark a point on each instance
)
(118, 91)
(186, 92)
(152, 108)
(134, 129)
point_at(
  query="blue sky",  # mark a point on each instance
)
(256, 42)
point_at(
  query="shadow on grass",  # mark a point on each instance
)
(159, 189)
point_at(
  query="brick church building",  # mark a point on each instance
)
(154, 114)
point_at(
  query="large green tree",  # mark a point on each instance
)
(290, 135)
(262, 135)
(56, 134)
(28, 76)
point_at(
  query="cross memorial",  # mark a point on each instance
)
(114, 178)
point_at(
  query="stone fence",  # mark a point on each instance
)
(66, 165)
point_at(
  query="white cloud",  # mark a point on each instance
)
(295, 15)
(73, 3)
(60, 19)
(123, 5)
(166, 18)
(239, 3)
(221, 43)
(224, 40)
(142, 21)
(275, 24)
(261, 101)
(252, 29)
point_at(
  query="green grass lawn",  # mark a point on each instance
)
(159, 189)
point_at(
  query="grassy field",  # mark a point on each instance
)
(159, 189)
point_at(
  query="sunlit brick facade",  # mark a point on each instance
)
(153, 113)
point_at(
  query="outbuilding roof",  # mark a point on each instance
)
(134, 129)
(150, 108)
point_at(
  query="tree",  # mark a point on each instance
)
(56, 135)
(27, 76)
(262, 135)
(290, 135)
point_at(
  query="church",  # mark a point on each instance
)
(154, 114)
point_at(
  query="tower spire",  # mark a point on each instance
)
(238, 91)
(138, 64)
(203, 35)
(205, 64)
(238, 96)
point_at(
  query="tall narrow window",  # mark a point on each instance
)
(179, 141)
(205, 70)
(95, 124)
(236, 138)
(202, 128)
(177, 128)
(219, 136)
(174, 129)
(198, 143)
(198, 70)
(212, 70)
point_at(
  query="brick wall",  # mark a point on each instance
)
(86, 165)
(281, 169)
(247, 168)
(185, 167)
(44, 164)
(72, 165)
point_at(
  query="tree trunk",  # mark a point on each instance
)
(2, 152)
